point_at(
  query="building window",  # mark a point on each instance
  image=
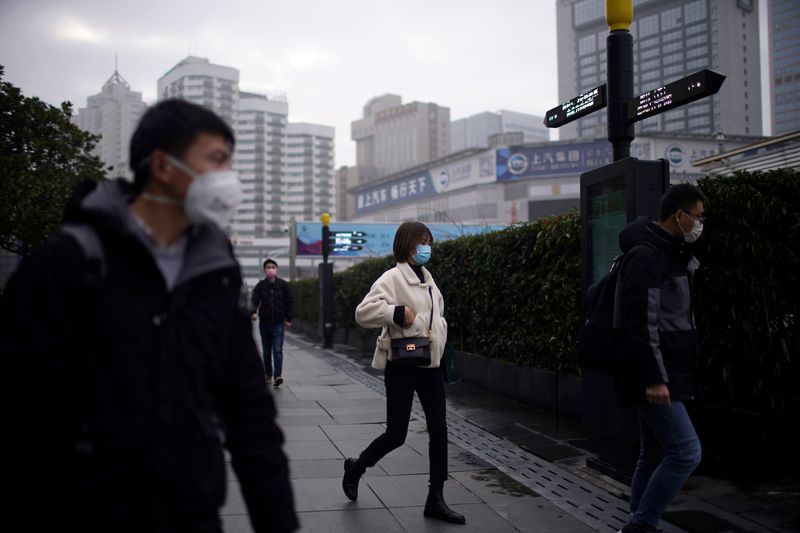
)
(694, 11)
(587, 45)
(587, 11)
(648, 25)
(671, 19)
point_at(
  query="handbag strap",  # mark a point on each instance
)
(430, 322)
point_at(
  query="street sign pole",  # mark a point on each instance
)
(619, 56)
(325, 325)
(612, 196)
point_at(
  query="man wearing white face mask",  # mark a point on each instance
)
(130, 383)
(660, 376)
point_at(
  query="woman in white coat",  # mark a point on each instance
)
(407, 305)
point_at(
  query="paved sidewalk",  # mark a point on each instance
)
(511, 468)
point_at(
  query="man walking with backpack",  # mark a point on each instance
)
(120, 395)
(660, 345)
(273, 308)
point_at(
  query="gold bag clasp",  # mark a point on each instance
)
(411, 347)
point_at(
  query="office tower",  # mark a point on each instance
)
(201, 82)
(474, 131)
(784, 48)
(112, 114)
(672, 39)
(260, 159)
(309, 186)
(393, 136)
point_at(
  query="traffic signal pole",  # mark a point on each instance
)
(619, 54)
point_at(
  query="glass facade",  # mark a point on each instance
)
(668, 44)
(785, 54)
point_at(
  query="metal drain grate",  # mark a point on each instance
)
(588, 503)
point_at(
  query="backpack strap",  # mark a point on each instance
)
(616, 321)
(89, 242)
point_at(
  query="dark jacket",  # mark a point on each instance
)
(273, 301)
(657, 301)
(121, 397)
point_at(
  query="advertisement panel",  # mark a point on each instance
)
(520, 162)
(364, 239)
(427, 183)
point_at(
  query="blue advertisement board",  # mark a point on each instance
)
(364, 239)
(405, 189)
(519, 162)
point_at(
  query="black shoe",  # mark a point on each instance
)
(352, 473)
(630, 528)
(436, 508)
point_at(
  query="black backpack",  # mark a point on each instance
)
(601, 340)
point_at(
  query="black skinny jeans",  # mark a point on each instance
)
(401, 382)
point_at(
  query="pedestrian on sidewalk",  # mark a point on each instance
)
(406, 303)
(661, 340)
(128, 357)
(273, 308)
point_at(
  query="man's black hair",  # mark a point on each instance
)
(269, 262)
(172, 126)
(681, 196)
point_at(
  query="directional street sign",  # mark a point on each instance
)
(347, 241)
(683, 91)
(580, 106)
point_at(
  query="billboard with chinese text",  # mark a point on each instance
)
(364, 239)
(521, 162)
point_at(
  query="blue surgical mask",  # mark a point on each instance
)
(423, 254)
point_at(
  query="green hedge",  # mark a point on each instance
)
(514, 294)
(748, 289)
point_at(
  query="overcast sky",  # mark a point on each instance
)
(328, 56)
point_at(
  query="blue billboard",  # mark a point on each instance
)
(520, 162)
(364, 239)
(405, 189)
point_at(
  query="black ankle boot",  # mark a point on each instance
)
(352, 473)
(435, 507)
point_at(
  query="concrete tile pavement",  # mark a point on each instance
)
(332, 406)
(327, 416)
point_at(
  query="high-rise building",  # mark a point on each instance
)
(393, 136)
(201, 82)
(672, 39)
(309, 186)
(112, 114)
(784, 44)
(260, 159)
(474, 131)
(277, 182)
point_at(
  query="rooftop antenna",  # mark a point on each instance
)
(115, 62)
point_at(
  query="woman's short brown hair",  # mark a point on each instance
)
(408, 236)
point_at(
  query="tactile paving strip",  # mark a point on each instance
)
(588, 503)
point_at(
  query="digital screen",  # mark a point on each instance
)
(578, 107)
(607, 216)
(685, 90)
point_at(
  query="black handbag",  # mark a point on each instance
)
(413, 351)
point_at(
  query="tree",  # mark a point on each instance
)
(43, 156)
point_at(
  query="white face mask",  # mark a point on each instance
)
(694, 233)
(212, 196)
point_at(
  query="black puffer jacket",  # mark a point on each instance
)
(661, 339)
(273, 301)
(118, 400)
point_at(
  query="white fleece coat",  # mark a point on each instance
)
(401, 286)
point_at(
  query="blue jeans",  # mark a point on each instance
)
(670, 451)
(272, 343)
